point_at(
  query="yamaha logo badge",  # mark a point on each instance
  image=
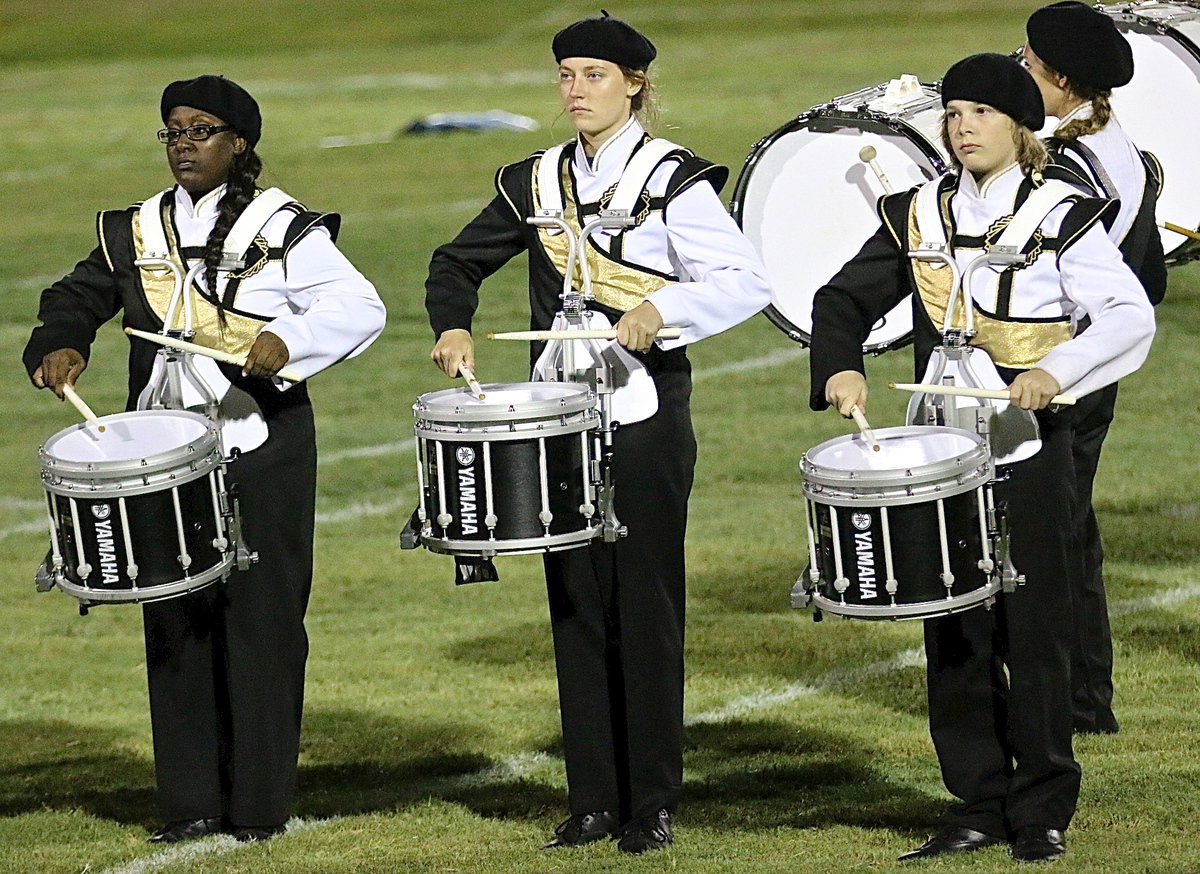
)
(101, 511)
(861, 521)
(465, 455)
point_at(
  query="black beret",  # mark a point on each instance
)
(998, 81)
(217, 96)
(606, 38)
(1081, 43)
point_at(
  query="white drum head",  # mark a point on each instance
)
(807, 202)
(1156, 108)
(127, 437)
(900, 449)
(505, 401)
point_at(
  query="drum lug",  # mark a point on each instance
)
(245, 557)
(410, 535)
(801, 596)
(1010, 578)
(47, 575)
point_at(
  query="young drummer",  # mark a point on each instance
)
(225, 664)
(999, 679)
(1077, 56)
(616, 609)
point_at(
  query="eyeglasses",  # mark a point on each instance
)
(198, 132)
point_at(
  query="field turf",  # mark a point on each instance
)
(431, 729)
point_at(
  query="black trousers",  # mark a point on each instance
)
(1000, 679)
(1091, 653)
(226, 664)
(617, 612)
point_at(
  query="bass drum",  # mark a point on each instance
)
(1153, 108)
(806, 197)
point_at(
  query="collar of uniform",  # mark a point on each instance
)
(614, 151)
(1003, 184)
(1083, 110)
(206, 205)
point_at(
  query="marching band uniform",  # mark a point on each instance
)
(1004, 744)
(617, 609)
(226, 663)
(1085, 46)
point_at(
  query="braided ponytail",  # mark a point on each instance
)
(1101, 114)
(239, 191)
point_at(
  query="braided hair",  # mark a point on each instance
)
(1101, 113)
(239, 191)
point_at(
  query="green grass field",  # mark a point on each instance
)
(431, 730)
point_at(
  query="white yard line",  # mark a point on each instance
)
(339, 455)
(528, 763)
(205, 848)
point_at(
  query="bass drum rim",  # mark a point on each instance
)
(737, 202)
(1129, 18)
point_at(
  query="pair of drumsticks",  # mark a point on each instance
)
(868, 435)
(175, 343)
(557, 334)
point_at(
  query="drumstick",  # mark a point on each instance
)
(1179, 230)
(968, 392)
(868, 154)
(215, 354)
(472, 383)
(78, 403)
(580, 334)
(865, 427)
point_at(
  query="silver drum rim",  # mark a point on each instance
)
(895, 486)
(147, 594)
(455, 415)
(131, 476)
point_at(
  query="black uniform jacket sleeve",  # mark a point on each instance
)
(459, 267)
(73, 309)
(845, 308)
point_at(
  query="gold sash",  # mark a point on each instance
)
(239, 331)
(616, 285)
(1014, 344)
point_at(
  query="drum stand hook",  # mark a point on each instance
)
(594, 372)
(175, 366)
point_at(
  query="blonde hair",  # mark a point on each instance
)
(645, 103)
(1031, 152)
(1101, 115)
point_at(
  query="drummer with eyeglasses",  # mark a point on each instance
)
(616, 609)
(1077, 56)
(999, 679)
(225, 663)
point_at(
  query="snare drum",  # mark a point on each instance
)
(1155, 107)
(138, 512)
(904, 533)
(807, 201)
(513, 473)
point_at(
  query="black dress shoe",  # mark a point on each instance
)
(249, 833)
(186, 830)
(1036, 844)
(952, 839)
(644, 833)
(583, 828)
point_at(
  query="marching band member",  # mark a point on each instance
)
(999, 678)
(617, 609)
(1077, 56)
(225, 663)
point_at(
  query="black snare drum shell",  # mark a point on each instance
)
(516, 488)
(916, 551)
(153, 532)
